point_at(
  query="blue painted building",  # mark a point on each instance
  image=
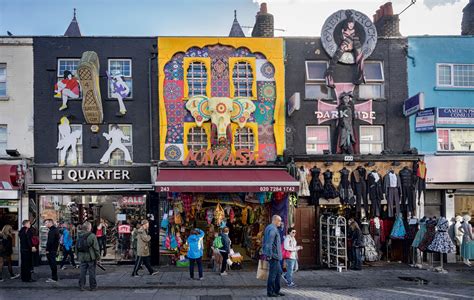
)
(442, 68)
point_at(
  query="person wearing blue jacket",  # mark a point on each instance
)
(67, 247)
(195, 251)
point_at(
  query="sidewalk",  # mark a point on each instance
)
(118, 277)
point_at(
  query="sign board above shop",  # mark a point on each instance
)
(455, 115)
(425, 120)
(414, 104)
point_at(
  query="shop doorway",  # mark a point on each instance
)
(305, 219)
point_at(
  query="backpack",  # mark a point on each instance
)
(218, 242)
(82, 245)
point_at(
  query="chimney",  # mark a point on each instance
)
(263, 23)
(467, 25)
(386, 22)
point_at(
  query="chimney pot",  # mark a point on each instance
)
(388, 9)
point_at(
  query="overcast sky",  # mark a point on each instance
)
(212, 17)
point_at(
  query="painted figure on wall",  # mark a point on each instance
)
(346, 112)
(116, 135)
(66, 88)
(67, 140)
(119, 90)
(350, 43)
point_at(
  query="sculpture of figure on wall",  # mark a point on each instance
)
(346, 112)
(119, 90)
(67, 140)
(66, 88)
(350, 43)
(116, 135)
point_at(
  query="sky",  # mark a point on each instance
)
(212, 17)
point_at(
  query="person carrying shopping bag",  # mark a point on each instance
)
(290, 254)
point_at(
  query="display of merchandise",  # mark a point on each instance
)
(393, 190)
(377, 231)
(315, 186)
(429, 235)
(374, 184)
(398, 230)
(329, 191)
(370, 251)
(467, 248)
(304, 186)
(346, 194)
(359, 186)
(407, 180)
(442, 242)
(333, 243)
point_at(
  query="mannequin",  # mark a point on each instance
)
(329, 191)
(292, 169)
(458, 234)
(371, 252)
(377, 232)
(406, 177)
(359, 186)
(420, 167)
(398, 230)
(374, 184)
(467, 249)
(416, 242)
(345, 192)
(315, 186)
(304, 187)
(442, 242)
(412, 229)
(428, 236)
(392, 189)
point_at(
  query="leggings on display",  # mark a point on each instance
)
(393, 197)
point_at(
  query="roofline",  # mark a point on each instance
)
(215, 36)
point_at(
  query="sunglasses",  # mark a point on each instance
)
(293, 232)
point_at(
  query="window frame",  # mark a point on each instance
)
(125, 143)
(382, 142)
(58, 75)
(130, 77)
(187, 128)
(250, 126)
(452, 85)
(233, 61)
(4, 66)
(450, 129)
(307, 72)
(380, 63)
(80, 153)
(381, 85)
(328, 142)
(6, 140)
(317, 82)
(187, 61)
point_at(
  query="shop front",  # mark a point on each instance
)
(117, 197)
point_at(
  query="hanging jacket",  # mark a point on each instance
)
(67, 240)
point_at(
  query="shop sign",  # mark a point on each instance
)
(328, 112)
(414, 104)
(425, 120)
(454, 115)
(224, 157)
(133, 200)
(80, 175)
(124, 229)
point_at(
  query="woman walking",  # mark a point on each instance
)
(225, 249)
(6, 251)
(291, 251)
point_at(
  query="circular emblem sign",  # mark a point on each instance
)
(334, 34)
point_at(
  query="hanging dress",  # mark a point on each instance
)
(315, 186)
(398, 230)
(371, 253)
(329, 191)
(429, 235)
(304, 187)
(420, 234)
(442, 242)
(467, 247)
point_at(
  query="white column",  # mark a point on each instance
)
(451, 257)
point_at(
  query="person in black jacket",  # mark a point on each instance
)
(52, 246)
(26, 251)
(6, 238)
(224, 250)
(357, 245)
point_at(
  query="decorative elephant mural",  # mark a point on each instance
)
(221, 111)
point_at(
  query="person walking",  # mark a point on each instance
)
(292, 249)
(6, 251)
(88, 253)
(224, 250)
(101, 234)
(143, 250)
(195, 251)
(52, 246)
(26, 251)
(357, 245)
(272, 252)
(67, 247)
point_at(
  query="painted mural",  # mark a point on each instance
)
(220, 89)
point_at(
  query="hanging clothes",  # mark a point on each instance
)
(304, 186)
(315, 186)
(374, 184)
(329, 191)
(392, 189)
(398, 230)
(429, 235)
(245, 215)
(346, 195)
(442, 242)
(377, 232)
(371, 252)
(407, 183)
(420, 234)
(359, 186)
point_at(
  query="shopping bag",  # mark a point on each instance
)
(262, 270)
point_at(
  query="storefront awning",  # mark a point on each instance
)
(225, 180)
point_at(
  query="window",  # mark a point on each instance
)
(373, 71)
(371, 139)
(197, 139)
(455, 75)
(69, 161)
(3, 140)
(117, 158)
(67, 64)
(197, 79)
(242, 77)
(121, 67)
(454, 139)
(244, 139)
(315, 84)
(3, 80)
(374, 78)
(372, 91)
(317, 139)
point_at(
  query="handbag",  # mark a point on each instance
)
(262, 270)
(165, 221)
(285, 253)
(229, 262)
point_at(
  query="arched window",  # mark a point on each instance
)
(244, 139)
(197, 79)
(243, 79)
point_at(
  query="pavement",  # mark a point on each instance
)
(388, 281)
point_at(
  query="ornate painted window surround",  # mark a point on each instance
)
(233, 61)
(187, 61)
(187, 127)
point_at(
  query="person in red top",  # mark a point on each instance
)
(101, 234)
(67, 88)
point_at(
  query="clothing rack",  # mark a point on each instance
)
(333, 242)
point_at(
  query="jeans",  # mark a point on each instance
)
(85, 267)
(102, 244)
(290, 266)
(67, 253)
(26, 265)
(357, 258)
(225, 256)
(138, 262)
(274, 274)
(52, 264)
(191, 266)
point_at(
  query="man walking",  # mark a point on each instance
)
(272, 251)
(67, 247)
(143, 250)
(52, 246)
(87, 250)
(26, 251)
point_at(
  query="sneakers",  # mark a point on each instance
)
(224, 273)
(154, 273)
(76, 267)
(284, 278)
(63, 268)
(201, 278)
(292, 285)
(49, 280)
(88, 73)
(1, 280)
(15, 276)
(135, 275)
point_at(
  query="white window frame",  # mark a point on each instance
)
(6, 139)
(246, 81)
(452, 76)
(60, 75)
(328, 142)
(450, 129)
(129, 77)
(4, 66)
(201, 141)
(244, 131)
(361, 142)
(307, 62)
(128, 144)
(381, 71)
(79, 147)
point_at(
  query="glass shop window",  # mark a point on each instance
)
(244, 139)
(455, 75)
(197, 79)
(197, 139)
(242, 76)
(371, 139)
(117, 158)
(315, 83)
(69, 160)
(122, 67)
(3, 80)
(317, 139)
(455, 139)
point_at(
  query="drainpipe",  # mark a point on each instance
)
(150, 107)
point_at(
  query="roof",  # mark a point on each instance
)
(73, 29)
(236, 30)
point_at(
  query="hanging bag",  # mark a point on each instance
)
(262, 270)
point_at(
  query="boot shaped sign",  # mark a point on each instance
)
(88, 72)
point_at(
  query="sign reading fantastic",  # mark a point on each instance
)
(224, 157)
